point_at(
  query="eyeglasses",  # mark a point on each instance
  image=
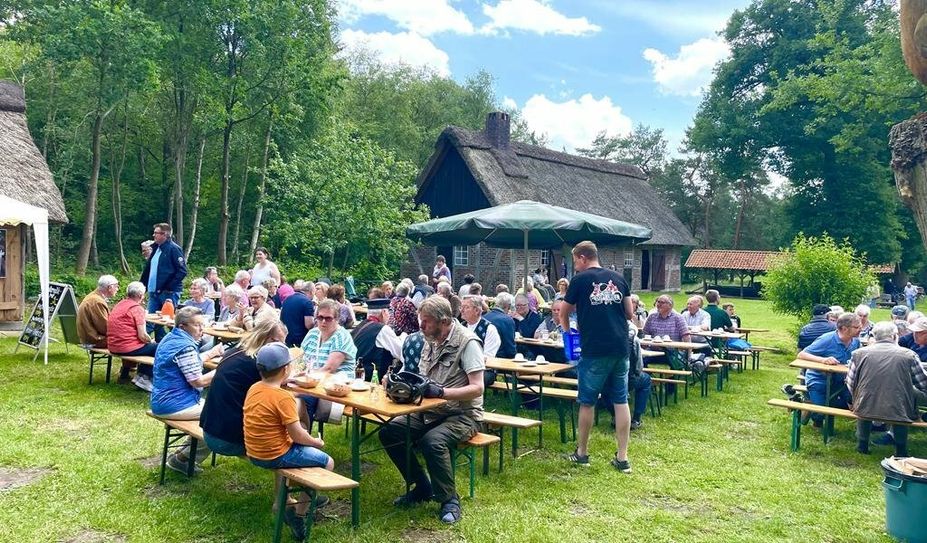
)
(322, 318)
(158, 233)
(255, 297)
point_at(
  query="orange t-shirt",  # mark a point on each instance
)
(268, 410)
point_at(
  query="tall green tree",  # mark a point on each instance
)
(107, 48)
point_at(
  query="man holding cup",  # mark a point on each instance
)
(602, 300)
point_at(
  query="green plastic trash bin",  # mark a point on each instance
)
(905, 504)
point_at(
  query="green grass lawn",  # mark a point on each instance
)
(709, 469)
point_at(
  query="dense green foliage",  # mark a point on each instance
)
(810, 91)
(221, 117)
(816, 271)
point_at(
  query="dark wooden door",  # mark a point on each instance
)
(658, 271)
(645, 270)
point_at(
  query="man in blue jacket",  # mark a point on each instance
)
(816, 327)
(164, 270)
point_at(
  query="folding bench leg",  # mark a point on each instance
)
(796, 429)
(167, 442)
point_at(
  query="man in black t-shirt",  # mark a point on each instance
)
(602, 301)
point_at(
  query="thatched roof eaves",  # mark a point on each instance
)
(617, 191)
(24, 174)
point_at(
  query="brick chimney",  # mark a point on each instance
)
(497, 129)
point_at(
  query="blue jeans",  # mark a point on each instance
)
(911, 300)
(299, 456)
(155, 301)
(817, 392)
(603, 375)
(223, 447)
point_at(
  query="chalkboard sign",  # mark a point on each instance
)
(61, 303)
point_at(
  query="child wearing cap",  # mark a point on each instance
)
(274, 438)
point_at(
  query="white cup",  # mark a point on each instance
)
(519, 357)
(540, 359)
(647, 336)
(545, 335)
(666, 338)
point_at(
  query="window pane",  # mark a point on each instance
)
(461, 255)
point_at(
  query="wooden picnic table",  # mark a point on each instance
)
(549, 343)
(360, 309)
(222, 334)
(384, 409)
(717, 341)
(830, 369)
(747, 331)
(511, 369)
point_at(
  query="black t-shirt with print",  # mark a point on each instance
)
(598, 295)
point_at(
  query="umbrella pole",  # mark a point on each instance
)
(525, 280)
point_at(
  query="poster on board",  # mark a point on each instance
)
(61, 303)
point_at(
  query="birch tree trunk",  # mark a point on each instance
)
(196, 199)
(90, 205)
(241, 199)
(116, 169)
(259, 210)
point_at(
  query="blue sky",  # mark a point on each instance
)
(572, 68)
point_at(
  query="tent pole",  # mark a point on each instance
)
(525, 280)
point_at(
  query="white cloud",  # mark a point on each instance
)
(676, 17)
(690, 71)
(401, 48)
(424, 17)
(534, 16)
(509, 103)
(574, 123)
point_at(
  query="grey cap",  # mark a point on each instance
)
(900, 311)
(272, 356)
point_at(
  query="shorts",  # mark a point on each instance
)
(602, 375)
(299, 456)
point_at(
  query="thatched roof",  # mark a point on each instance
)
(529, 172)
(24, 175)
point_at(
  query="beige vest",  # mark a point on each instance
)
(441, 363)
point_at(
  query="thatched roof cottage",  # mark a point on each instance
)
(472, 170)
(25, 177)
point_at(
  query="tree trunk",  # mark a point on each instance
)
(165, 167)
(908, 141)
(196, 198)
(236, 249)
(90, 205)
(180, 159)
(222, 239)
(116, 170)
(740, 214)
(259, 210)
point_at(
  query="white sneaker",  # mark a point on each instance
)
(142, 382)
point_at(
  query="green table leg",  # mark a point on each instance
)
(541, 411)
(355, 468)
(796, 430)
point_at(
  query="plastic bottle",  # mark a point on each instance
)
(167, 309)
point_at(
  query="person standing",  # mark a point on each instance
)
(602, 300)
(164, 272)
(263, 268)
(441, 270)
(910, 295)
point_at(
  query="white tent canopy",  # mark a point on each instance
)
(14, 212)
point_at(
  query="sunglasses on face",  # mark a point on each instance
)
(322, 318)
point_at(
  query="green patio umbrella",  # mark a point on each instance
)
(528, 225)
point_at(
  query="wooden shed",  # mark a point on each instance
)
(25, 177)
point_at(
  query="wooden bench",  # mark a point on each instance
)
(497, 422)
(468, 449)
(174, 432)
(563, 395)
(796, 409)
(143, 360)
(97, 355)
(755, 351)
(311, 481)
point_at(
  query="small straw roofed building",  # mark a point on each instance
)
(24, 176)
(471, 170)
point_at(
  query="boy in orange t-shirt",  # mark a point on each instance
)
(274, 438)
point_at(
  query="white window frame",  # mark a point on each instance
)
(545, 258)
(461, 255)
(629, 258)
